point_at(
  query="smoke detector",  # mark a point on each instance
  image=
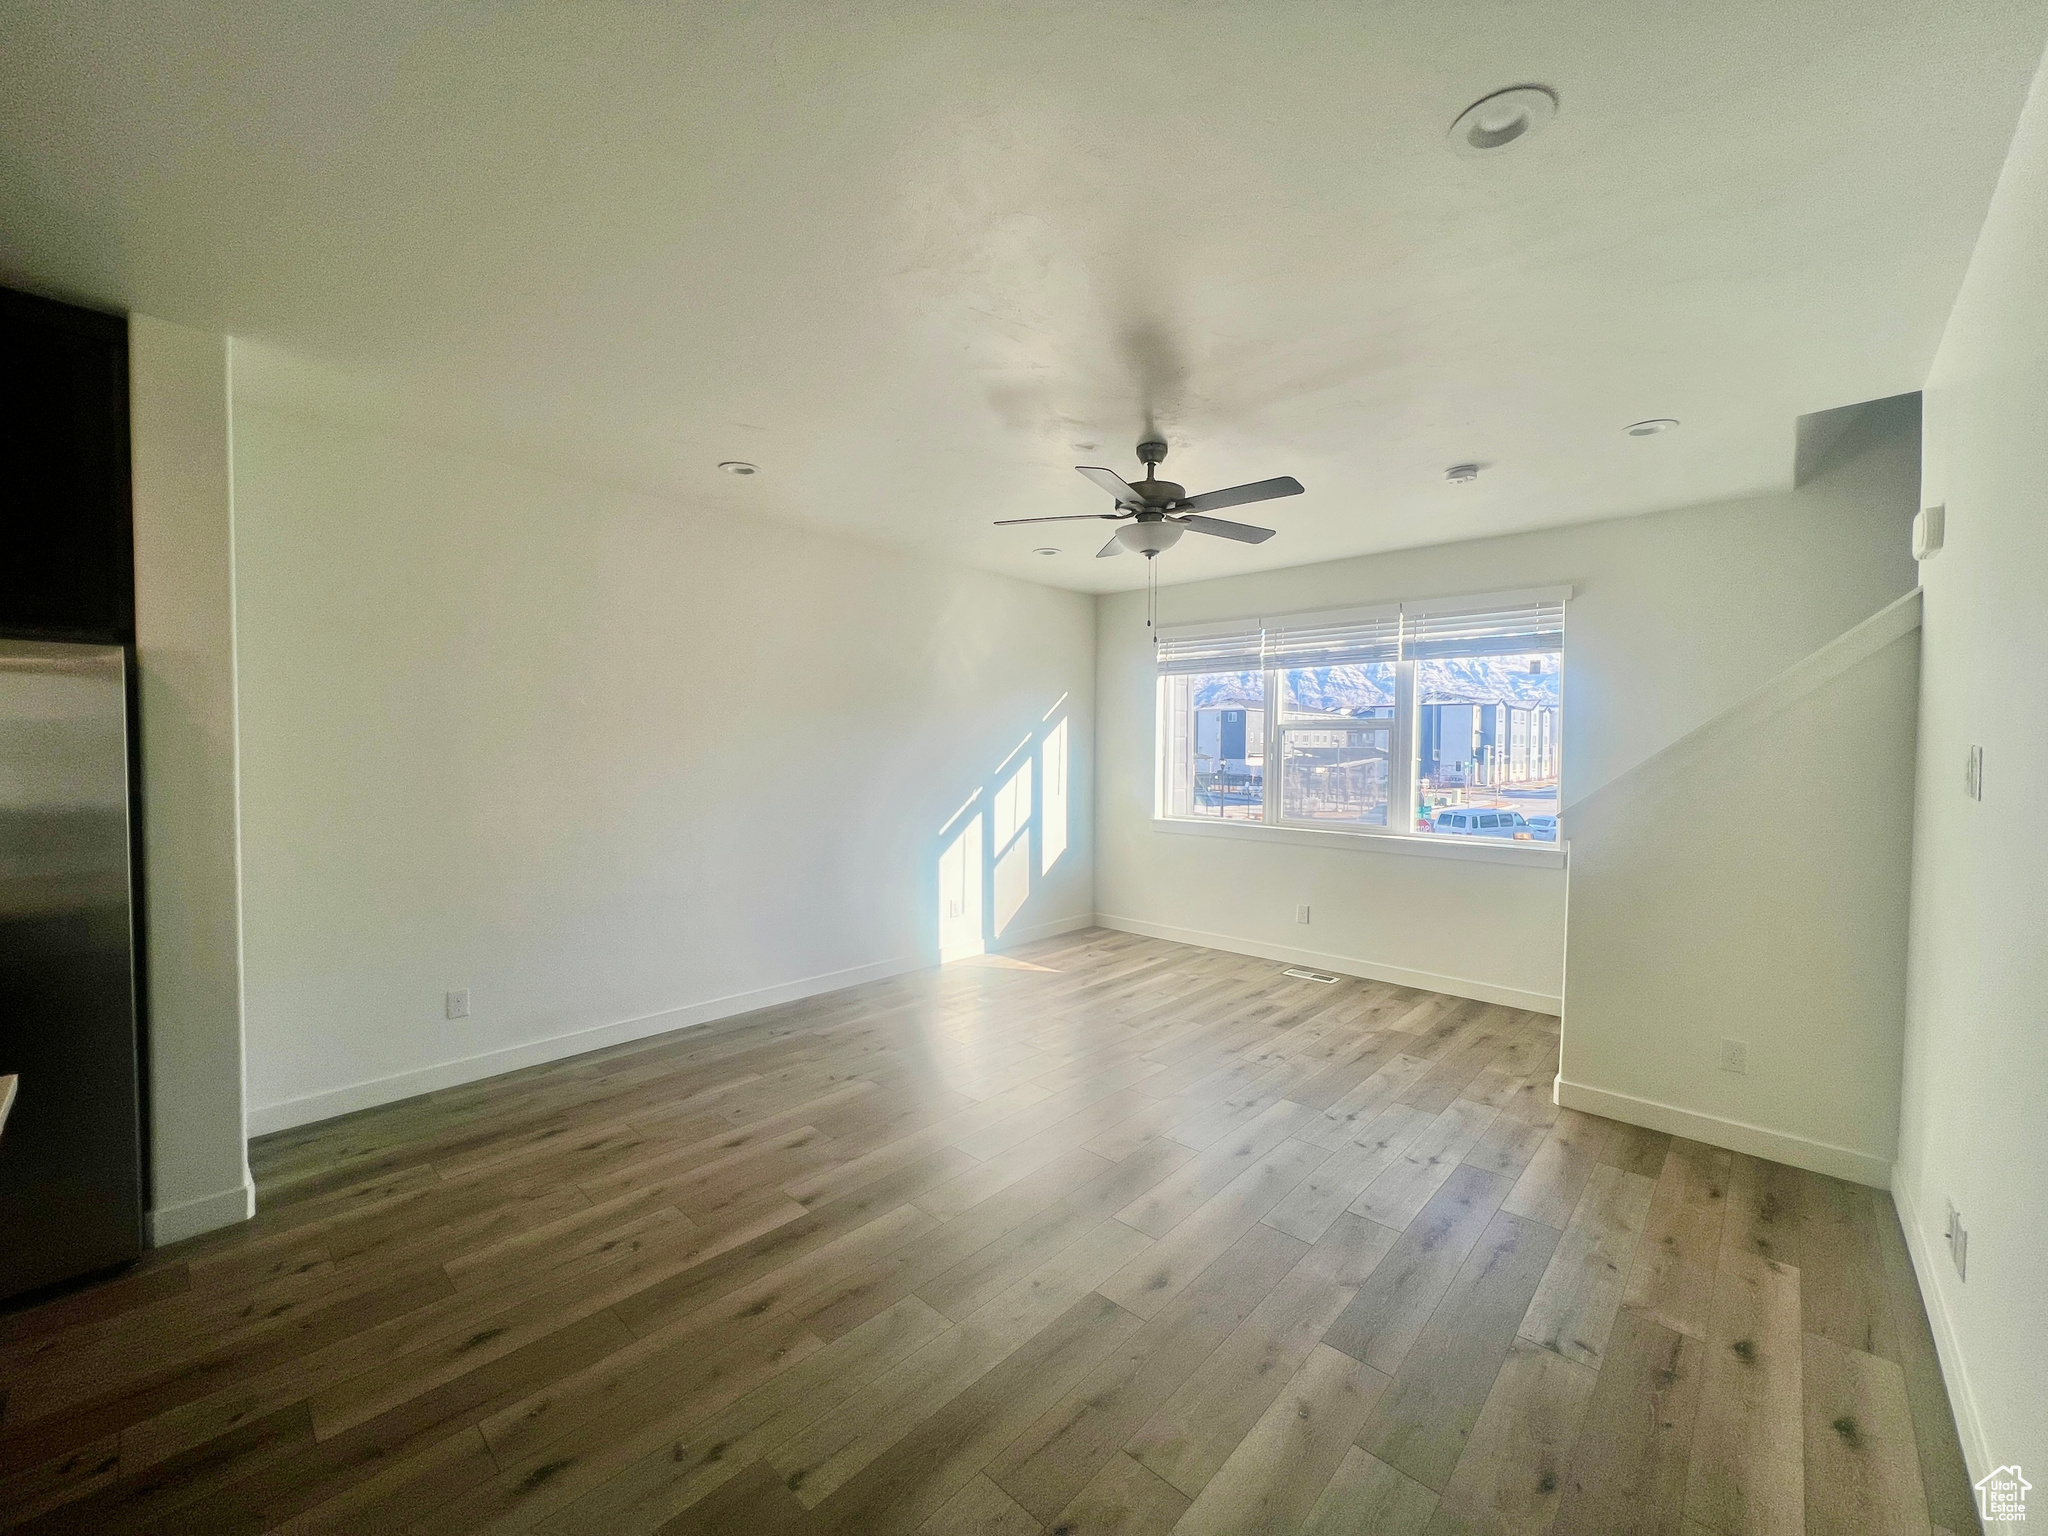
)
(1502, 120)
(1462, 474)
(1652, 427)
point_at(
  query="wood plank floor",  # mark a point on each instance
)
(1106, 1235)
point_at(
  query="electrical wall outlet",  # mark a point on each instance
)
(1958, 1243)
(1301, 914)
(458, 1004)
(1973, 773)
(1735, 1057)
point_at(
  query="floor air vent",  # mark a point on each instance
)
(1313, 976)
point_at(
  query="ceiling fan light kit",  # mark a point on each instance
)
(1149, 538)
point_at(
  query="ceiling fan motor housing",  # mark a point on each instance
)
(1161, 493)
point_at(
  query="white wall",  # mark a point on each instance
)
(612, 765)
(185, 643)
(1976, 1084)
(1749, 884)
(1677, 616)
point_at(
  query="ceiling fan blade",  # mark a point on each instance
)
(1113, 547)
(1238, 495)
(1071, 517)
(1244, 533)
(1112, 483)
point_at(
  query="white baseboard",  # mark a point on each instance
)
(1955, 1374)
(1736, 1135)
(287, 1113)
(188, 1218)
(1343, 965)
(325, 1105)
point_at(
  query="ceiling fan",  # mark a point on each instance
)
(1154, 512)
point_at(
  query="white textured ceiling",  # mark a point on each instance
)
(917, 260)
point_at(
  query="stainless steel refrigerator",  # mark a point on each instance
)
(71, 1165)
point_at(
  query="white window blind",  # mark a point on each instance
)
(1509, 625)
(1333, 639)
(1211, 649)
(1503, 624)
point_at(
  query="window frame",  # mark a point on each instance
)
(1168, 787)
(1278, 725)
(1398, 835)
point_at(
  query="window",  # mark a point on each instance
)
(1337, 685)
(1449, 709)
(1489, 688)
(1213, 687)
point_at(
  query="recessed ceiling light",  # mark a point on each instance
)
(1462, 474)
(1503, 119)
(740, 467)
(1045, 549)
(1651, 427)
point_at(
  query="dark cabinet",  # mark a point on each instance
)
(67, 562)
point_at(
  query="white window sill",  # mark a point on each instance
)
(1478, 850)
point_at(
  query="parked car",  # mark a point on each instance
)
(1468, 821)
(1544, 828)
